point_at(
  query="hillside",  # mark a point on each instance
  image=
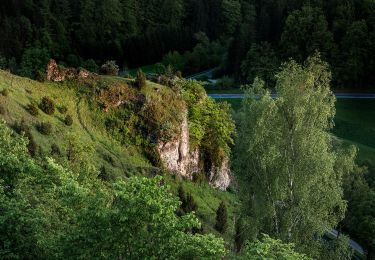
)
(85, 127)
(116, 133)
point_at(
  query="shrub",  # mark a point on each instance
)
(5, 92)
(90, 65)
(221, 218)
(21, 127)
(2, 110)
(191, 205)
(109, 158)
(199, 177)
(32, 109)
(140, 80)
(55, 149)
(32, 146)
(63, 109)
(103, 174)
(110, 68)
(47, 105)
(68, 120)
(40, 75)
(45, 128)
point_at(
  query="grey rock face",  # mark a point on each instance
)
(178, 159)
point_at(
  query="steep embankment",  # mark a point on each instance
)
(132, 132)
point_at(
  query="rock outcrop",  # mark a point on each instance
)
(59, 74)
(179, 159)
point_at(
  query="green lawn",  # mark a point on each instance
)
(354, 123)
(146, 69)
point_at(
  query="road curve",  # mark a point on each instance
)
(338, 96)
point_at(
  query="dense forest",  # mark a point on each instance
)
(243, 37)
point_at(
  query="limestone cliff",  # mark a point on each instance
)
(179, 159)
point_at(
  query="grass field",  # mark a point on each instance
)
(146, 69)
(354, 123)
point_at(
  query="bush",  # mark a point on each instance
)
(140, 80)
(103, 174)
(55, 149)
(199, 177)
(90, 65)
(221, 218)
(21, 127)
(32, 146)
(68, 120)
(2, 110)
(191, 205)
(110, 68)
(63, 109)
(47, 105)
(45, 128)
(109, 158)
(5, 92)
(40, 76)
(32, 109)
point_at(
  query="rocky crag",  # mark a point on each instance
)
(180, 159)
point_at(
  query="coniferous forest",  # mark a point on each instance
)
(135, 33)
(187, 129)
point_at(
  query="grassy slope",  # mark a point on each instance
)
(23, 91)
(90, 129)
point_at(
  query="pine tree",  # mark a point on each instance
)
(221, 218)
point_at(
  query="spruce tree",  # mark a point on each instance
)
(221, 218)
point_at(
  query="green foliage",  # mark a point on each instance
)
(356, 42)
(211, 126)
(188, 203)
(13, 157)
(154, 221)
(68, 120)
(63, 109)
(2, 110)
(34, 61)
(306, 31)
(96, 218)
(32, 109)
(337, 249)
(55, 150)
(269, 248)
(91, 65)
(360, 218)
(47, 105)
(285, 162)
(261, 61)
(175, 59)
(45, 128)
(221, 218)
(110, 68)
(5, 92)
(162, 115)
(140, 80)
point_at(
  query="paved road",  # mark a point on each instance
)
(338, 96)
(207, 73)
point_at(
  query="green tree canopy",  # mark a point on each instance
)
(305, 32)
(285, 162)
